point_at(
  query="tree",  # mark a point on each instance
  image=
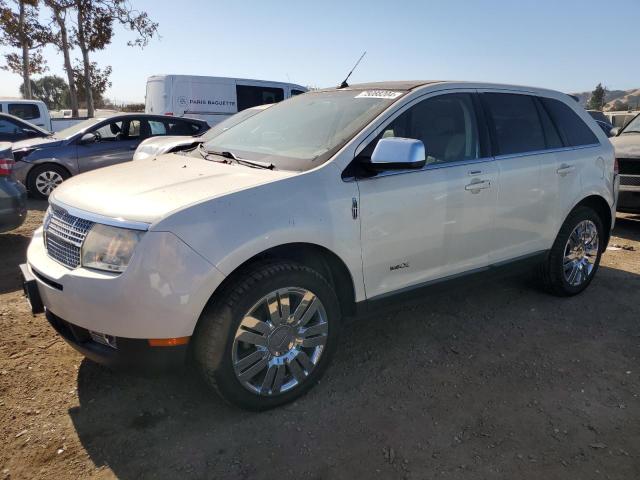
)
(52, 90)
(60, 38)
(98, 82)
(597, 101)
(20, 28)
(94, 31)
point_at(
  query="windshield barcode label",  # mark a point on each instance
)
(378, 94)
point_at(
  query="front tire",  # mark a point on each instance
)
(267, 339)
(43, 179)
(575, 256)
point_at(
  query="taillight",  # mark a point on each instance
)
(170, 114)
(6, 165)
(616, 168)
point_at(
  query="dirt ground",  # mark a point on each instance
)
(496, 381)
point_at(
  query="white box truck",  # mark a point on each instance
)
(211, 98)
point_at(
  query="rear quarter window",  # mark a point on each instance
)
(26, 111)
(569, 124)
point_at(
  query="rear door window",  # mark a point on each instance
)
(570, 125)
(517, 125)
(26, 111)
(551, 135)
(252, 96)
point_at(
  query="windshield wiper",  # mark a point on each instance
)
(631, 131)
(241, 161)
(204, 153)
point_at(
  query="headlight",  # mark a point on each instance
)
(45, 224)
(109, 248)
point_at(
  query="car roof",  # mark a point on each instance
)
(19, 100)
(145, 115)
(408, 85)
(393, 85)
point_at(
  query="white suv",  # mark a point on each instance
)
(248, 252)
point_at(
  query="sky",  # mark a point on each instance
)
(565, 45)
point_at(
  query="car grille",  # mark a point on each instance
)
(630, 180)
(64, 234)
(629, 166)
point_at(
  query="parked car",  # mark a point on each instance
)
(606, 127)
(44, 163)
(598, 115)
(602, 120)
(152, 147)
(250, 252)
(627, 147)
(212, 98)
(33, 111)
(13, 195)
(13, 129)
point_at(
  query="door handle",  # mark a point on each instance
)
(475, 187)
(474, 172)
(565, 169)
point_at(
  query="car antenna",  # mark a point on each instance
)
(344, 83)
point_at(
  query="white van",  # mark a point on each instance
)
(33, 111)
(212, 99)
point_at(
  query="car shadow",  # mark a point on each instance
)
(628, 227)
(476, 377)
(13, 248)
(39, 205)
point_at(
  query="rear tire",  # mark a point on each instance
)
(575, 255)
(43, 179)
(267, 338)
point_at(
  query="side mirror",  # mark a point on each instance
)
(614, 131)
(396, 153)
(88, 138)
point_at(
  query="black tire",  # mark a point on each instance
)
(552, 272)
(221, 318)
(35, 172)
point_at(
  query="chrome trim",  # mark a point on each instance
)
(432, 166)
(542, 152)
(101, 219)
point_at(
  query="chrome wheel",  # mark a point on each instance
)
(580, 253)
(280, 341)
(47, 181)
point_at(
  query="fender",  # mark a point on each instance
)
(307, 208)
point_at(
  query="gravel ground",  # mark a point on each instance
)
(496, 381)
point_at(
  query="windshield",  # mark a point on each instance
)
(633, 126)
(230, 122)
(304, 131)
(78, 127)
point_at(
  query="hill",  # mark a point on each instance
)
(616, 99)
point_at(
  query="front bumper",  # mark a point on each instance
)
(21, 171)
(122, 353)
(130, 354)
(628, 201)
(160, 295)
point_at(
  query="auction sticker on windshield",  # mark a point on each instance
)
(378, 94)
